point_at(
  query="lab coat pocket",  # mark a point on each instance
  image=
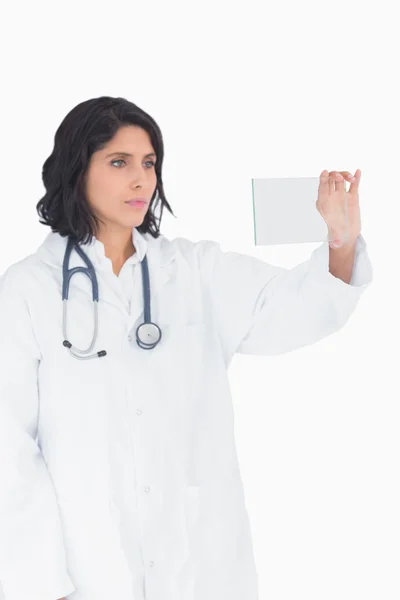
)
(179, 358)
(183, 333)
(224, 529)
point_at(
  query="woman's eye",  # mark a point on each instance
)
(147, 162)
(115, 161)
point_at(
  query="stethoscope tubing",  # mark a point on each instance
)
(148, 334)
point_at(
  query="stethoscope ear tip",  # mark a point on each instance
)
(68, 344)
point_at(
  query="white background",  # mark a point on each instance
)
(244, 90)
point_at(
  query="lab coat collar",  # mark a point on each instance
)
(95, 250)
(159, 251)
(96, 247)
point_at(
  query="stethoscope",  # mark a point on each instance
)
(148, 334)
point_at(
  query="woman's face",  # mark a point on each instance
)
(123, 170)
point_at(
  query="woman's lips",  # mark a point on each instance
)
(137, 203)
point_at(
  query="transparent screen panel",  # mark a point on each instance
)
(285, 212)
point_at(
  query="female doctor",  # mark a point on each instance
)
(118, 467)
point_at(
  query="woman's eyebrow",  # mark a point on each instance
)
(127, 154)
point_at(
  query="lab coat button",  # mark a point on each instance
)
(130, 338)
(152, 563)
(147, 489)
(139, 411)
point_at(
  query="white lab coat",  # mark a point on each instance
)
(119, 475)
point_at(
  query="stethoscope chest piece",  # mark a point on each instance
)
(148, 335)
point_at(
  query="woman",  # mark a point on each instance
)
(118, 465)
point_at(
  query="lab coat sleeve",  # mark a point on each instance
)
(32, 557)
(264, 309)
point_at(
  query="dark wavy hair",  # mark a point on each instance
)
(84, 130)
